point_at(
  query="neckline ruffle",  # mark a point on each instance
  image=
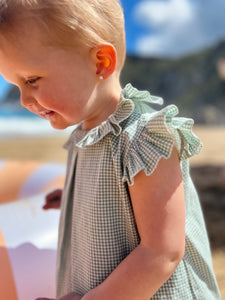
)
(125, 107)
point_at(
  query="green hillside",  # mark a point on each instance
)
(191, 82)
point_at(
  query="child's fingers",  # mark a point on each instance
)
(53, 204)
(56, 194)
(53, 200)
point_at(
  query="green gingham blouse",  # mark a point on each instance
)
(97, 226)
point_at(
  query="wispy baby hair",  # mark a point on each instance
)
(68, 22)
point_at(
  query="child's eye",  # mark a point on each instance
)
(32, 81)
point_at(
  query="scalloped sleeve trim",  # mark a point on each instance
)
(159, 133)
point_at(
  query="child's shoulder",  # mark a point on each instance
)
(159, 124)
(148, 133)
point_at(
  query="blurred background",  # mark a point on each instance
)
(176, 50)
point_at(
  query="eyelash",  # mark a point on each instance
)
(32, 81)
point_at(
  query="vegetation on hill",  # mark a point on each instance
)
(191, 82)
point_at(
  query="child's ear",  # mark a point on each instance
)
(105, 59)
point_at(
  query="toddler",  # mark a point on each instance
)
(131, 226)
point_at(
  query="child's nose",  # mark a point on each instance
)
(26, 99)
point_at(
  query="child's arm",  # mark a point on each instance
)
(159, 208)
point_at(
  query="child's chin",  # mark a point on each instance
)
(59, 126)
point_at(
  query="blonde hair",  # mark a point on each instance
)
(69, 22)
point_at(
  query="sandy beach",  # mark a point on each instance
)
(49, 149)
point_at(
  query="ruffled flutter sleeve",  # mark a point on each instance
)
(154, 136)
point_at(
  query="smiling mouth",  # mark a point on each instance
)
(47, 114)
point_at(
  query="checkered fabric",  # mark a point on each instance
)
(97, 226)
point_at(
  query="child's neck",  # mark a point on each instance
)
(108, 95)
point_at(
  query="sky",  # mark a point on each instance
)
(173, 28)
(169, 28)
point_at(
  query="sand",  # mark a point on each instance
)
(46, 149)
(213, 151)
(49, 149)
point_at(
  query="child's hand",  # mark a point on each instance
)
(53, 200)
(71, 296)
